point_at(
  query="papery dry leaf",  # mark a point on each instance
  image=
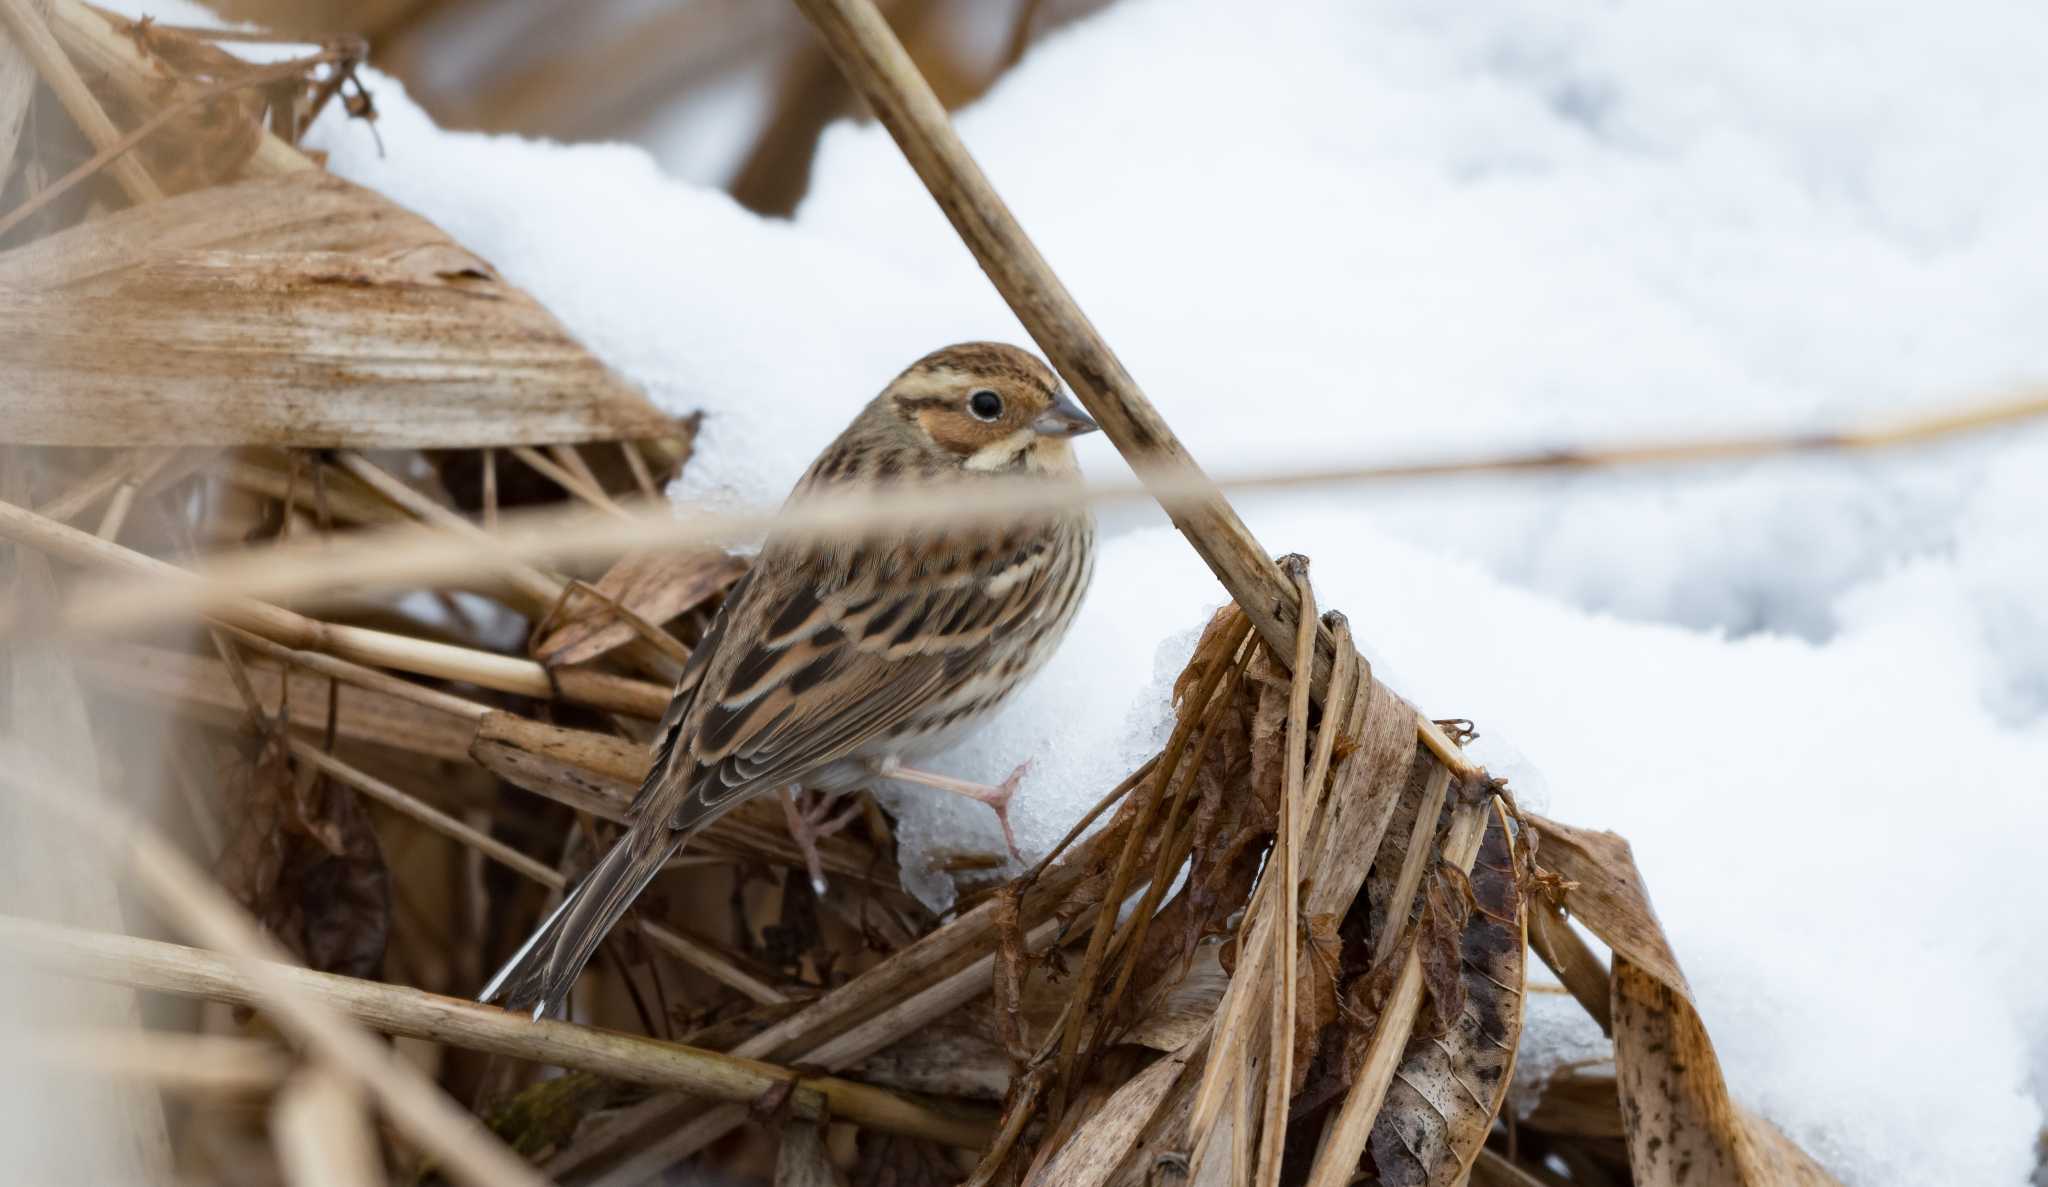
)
(1315, 991)
(1091, 1156)
(1449, 1088)
(1609, 897)
(303, 857)
(1683, 1128)
(1187, 1006)
(205, 145)
(656, 586)
(1439, 945)
(295, 310)
(254, 791)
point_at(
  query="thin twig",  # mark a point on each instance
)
(569, 482)
(398, 1010)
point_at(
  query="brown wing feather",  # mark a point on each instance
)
(822, 653)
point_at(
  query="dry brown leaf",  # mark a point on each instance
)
(292, 310)
(656, 586)
(1449, 1088)
(1608, 897)
(1683, 1129)
(1092, 1155)
(305, 860)
(1316, 992)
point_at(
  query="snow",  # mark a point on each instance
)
(1811, 693)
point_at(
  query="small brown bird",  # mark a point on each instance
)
(831, 664)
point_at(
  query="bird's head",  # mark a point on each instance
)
(988, 408)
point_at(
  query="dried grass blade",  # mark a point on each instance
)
(1287, 854)
(1345, 1138)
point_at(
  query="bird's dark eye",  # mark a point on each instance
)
(985, 404)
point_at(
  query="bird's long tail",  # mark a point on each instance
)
(541, 973)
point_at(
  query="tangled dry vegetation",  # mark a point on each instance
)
(1296, 950)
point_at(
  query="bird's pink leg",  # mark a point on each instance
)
(808, 825)
(996, 796)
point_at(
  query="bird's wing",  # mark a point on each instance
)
(823, 652)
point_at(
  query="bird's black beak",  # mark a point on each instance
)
(1064, 419)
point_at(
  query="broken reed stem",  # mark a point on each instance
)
(321, 1127)
(255, 967)
(1287, 843)
(63, 79)
(414, 1013)
(600, 690)
(701, 957)
(1344, 1139)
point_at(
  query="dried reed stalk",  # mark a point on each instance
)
(321, 1128)
(486, 669)
(396, 1010)
(407, 556)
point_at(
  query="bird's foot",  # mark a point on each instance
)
(809, 823)
(996, 796)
